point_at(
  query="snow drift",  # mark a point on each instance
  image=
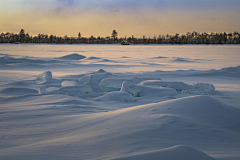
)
(116, 96)
(139, 90)
(74, 56)
(179, 152)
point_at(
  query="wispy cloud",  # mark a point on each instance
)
(66, 8)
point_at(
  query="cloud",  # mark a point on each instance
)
(63, 6)
(66, 8)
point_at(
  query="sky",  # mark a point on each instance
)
(128, 17)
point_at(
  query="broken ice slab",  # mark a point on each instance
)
(178, 86)
(68, 83)
(42, 91)
(44, 77)
(140, 90)
(115, 84)
(97, 76)
(140, 79)
(111, 84)
(200, 89)
(203, 87)
(94, 79)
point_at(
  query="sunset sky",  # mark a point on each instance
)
(127, 17)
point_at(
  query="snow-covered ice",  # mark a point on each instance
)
(111, 84)
(68, 83)
(179, 86)
(116, 96)
(44, 77)
(119, 102)
(42, 91)
(115, 84)
(140, 90)
(94, 79)
(80, 88)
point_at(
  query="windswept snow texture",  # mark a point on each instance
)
(116, 96)
(113, 103)
(173, 153)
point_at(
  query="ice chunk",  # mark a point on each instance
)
(96, 76)
(115, 84)
(94, 79)
(84, 79)
(83, 88)
(140, 90)
(68, 83)
(178, 86)
(111, 84)
(44, 77)
(117, 96)
(139, 79)
(42, 91)
(203, 87)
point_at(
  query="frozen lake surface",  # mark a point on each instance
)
(170, 102)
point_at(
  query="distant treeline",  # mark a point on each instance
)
(188, 38)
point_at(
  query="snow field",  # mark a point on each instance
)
(148, 102)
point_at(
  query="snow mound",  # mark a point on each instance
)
(140, 90)
(116, 96)
(107, 60)
(81, 88)
(91, 58)
(94, 79)
(11, 91)
(179, 152)
(179, 86)
(231, 70)
(44, 77)
(74, 56)
(228, 72)
(159, 57)
(100, 71)
(178, 59)
(68, 83)
(202, 109)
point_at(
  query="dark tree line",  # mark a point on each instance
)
(188, 38)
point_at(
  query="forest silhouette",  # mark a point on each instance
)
(188, 38)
